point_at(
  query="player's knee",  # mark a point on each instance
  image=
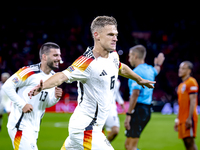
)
(126, 145)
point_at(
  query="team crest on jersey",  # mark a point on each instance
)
(15, 80)
(183, 88)
(70, 68)
(116, 62)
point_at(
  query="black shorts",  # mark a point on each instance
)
(139, 120)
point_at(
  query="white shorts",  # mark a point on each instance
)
(112, 120)
(87, 140)
(23, 140)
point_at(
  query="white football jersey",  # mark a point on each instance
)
(96, 81)
(17, 88)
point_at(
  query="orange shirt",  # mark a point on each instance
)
(186, 88)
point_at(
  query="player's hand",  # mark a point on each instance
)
(37, 89)
(127, 122)
(58, 92)
(27, 108)
(188, 123)
(176, 127)
(122, 106)
(146, 83)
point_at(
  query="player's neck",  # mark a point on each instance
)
(100, 52)
(184, 78)
(45, 68)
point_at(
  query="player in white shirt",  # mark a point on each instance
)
(96, 72)
(5, 102)
(26, 114)
(112, 123)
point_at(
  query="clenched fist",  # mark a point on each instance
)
(58, 92)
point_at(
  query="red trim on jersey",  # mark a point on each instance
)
(120, 65)
(82, 62)
(24, 73)
(17, 139)
(87, 140)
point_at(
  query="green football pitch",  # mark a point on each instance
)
(158, 134)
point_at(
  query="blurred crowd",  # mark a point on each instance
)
(23, 32)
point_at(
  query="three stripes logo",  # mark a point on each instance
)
(103, 73)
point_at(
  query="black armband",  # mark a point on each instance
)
(128, 114)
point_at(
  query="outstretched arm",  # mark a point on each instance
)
(126, 72)
(55, 80)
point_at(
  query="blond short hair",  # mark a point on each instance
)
(101, 21)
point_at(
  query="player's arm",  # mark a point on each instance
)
(10, 88)
(55, 80)
(176, 123)
(126, 72)
(132, 103)
(193, 98)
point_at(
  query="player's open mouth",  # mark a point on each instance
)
(56, 63)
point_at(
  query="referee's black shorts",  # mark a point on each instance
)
(139, 120)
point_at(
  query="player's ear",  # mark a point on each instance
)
(190, 72)
(44, 57)
(96, 36)
(135, 56)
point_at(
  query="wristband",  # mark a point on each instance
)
(128, 114)
(176, 120)
(157, 65)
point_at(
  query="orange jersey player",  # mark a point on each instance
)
(186, 123)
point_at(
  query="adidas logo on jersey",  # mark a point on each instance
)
(103, 73)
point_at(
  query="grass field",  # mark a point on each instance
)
(158, 134)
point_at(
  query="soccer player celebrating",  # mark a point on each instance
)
(25, 117)
(186, 121)
(96, 72)
(139, 111)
